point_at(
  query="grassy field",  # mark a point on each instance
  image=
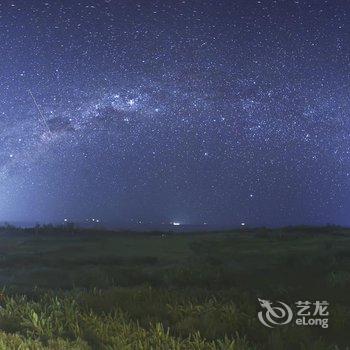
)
(99, 290)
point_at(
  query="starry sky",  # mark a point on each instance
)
(208, 111)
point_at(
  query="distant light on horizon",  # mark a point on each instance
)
(176, 223)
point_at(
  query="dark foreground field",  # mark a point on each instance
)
(179, 291)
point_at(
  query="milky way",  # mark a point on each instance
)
(220, 112)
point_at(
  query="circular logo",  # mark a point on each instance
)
(277, 315)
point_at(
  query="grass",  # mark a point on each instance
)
(68, 289)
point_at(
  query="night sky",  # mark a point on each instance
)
(217, 112)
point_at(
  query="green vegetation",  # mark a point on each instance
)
(65, 288)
